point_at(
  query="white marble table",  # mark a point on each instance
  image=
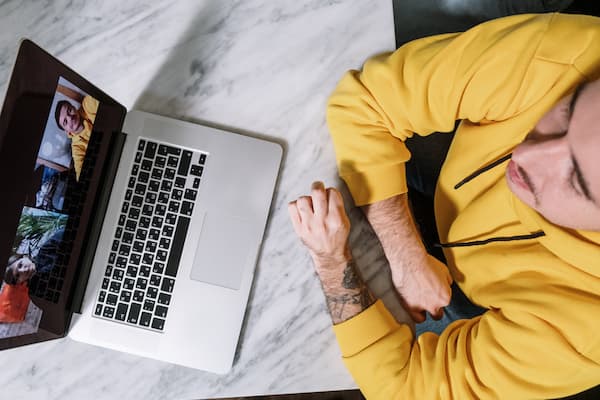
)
(263, 68)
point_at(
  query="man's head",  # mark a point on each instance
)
(556, 169)
(20, 269)
(68, 118)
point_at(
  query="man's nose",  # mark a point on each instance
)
(543, 150)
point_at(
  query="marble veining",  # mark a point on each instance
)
(257, 67)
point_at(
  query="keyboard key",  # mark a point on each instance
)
(164, 243)
(109, 312)
(137, 201)
(102, 296)
(148, 258)
(134, 312)
(169, 174)
(127, 238)
(143, 177)
(196, 170)
(138, 156)
(154, 186)
(128, 283)
(161, 255)
(135, 259)
(150, 150)
(118, 275)
(98, 310)
(145, 319)
(174, 150)
(125, 296)
(151, 197)
(111, 299)
(155, 233)
(177, 194)
(141, 234)
(141, 144)
(105, 283)
(157, 174)
(124, 207)
(128, 194)
(152, 292)
(145, 222)
(184, 164)
(146, 165)
(115, 287)
(132, 271)
(115, 245)
(196, 183)
(130, 225)
(140, 189)
(108, 271)
(124, 250)
(166, 186)
(158, 268)
(160, 210)
(158, 324)
(121, 262)
(202, 159)
(157, 222)
(168, 231)
(179, 182)
(141, 284)
(121, 312)
(161, 311)
(148, 305)
(163, 198)
(187, 207)
(162, 150)
(122, 219)
(178, 242)
(119, 232)
(112, 257)
(135, 169)
(167, 285)
(145, 271)
(151, 246)
(138, 295)
(160, 161)
(164, 299)
(190, 194)
(134, 213)
(174, 206)
(138, 246)
(172, 162)
(155, 280)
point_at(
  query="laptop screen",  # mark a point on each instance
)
(56, 131)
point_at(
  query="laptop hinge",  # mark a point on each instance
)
(96, 220)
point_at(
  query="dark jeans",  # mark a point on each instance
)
(422, 172)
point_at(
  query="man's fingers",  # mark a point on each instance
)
(305, 208)
(295, 217)
(319, 198)
(336, 203)
(417, 316)
(438, 314)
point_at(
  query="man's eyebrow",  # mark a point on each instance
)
(585, 188)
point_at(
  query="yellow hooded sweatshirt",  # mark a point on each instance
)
(540, 337)
(79, 141)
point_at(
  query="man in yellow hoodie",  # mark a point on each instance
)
(517, 208)
(78, 124)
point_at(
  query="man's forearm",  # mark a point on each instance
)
(393, 223)
(345, 292)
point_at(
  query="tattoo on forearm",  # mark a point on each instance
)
(351, 298)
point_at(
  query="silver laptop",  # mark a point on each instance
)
(153, 225)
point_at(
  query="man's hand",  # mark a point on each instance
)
(422, 281)
(423, 286)
(321, 223)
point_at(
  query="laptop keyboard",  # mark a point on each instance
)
(155, 215)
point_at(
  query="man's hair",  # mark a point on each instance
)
(59, 106)
(9, 276)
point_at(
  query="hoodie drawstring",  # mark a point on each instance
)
(469, 178)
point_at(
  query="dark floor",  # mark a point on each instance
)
(419, 18)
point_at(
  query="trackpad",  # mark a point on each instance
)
(223, 250)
